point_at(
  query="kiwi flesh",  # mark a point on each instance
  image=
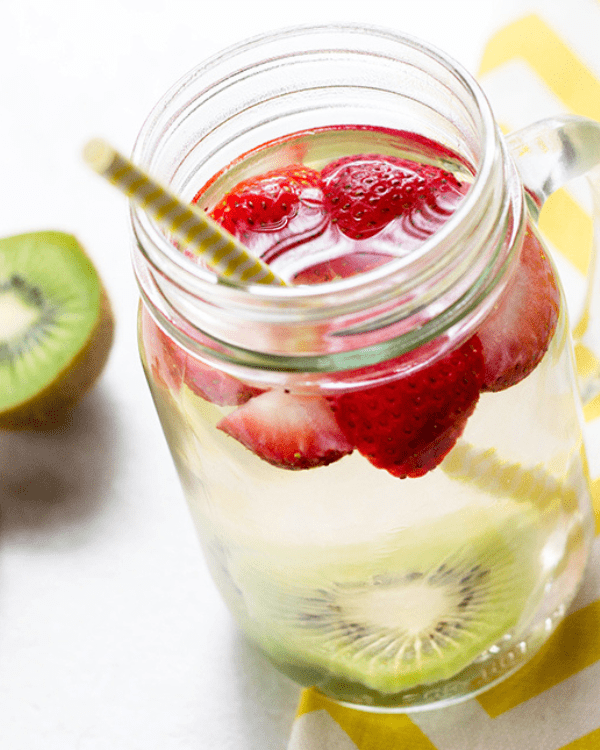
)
(412, 615)
(56, 328)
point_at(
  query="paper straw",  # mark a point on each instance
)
(188, 224)
(500, 478)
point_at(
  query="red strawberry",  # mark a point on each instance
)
(364, 193)
(214, 385)
(160, 353)
(291, 432)
(265, 203)
(408, 425)
(173, 366)
(518, 332)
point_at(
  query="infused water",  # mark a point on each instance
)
(397, 531)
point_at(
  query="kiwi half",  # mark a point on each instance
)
(56, 328)
(413, 615)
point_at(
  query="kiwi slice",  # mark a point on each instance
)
(414, 614)
(56, 328)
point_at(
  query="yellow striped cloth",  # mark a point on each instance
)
(539, 65)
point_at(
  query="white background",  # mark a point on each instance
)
(111, 632)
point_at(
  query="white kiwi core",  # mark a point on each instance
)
(411, 609)
(16, 317)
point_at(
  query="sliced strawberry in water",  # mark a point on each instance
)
(172, 366)
(214, 385)
(364, 193)
(288, 431)
(517, 333)
(264, 203)
(407, 426)
(160, 354)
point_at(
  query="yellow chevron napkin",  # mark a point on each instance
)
(540, 65)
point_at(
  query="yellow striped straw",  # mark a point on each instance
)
(486, 470)
(188, 224)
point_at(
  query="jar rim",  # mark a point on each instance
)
(196, 277)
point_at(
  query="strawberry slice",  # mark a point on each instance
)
(288, 431)
(408, 425)
(214, 385)
(518, 332)
(364, 193)
(265, 203)
(160, 353)
(172, 366)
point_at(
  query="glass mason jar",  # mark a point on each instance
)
(387, 591)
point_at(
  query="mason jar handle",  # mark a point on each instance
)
(548, 154)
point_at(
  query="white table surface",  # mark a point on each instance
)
(112, 634)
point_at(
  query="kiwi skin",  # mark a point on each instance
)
(50, 408)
